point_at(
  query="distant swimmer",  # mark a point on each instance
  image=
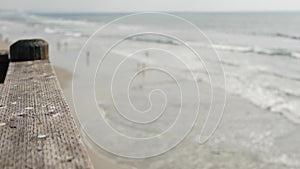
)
(87, 58)
(143, 66)
(147, 54)
(66, 45)
(58, 45)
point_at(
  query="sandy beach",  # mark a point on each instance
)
(260, 125)
(256, 138)
(99, 161)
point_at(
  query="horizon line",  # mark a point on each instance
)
(166, 11)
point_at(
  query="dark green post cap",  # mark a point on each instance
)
(29, 49)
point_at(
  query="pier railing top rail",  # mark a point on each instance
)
(37, 129)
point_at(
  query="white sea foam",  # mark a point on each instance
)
(232, 48)
(50, 30)
(74, 34)
(257, 92)
(258, 50)
(296, 54)
(58, 21)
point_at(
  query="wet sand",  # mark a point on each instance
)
(248, 136)
(99, 161)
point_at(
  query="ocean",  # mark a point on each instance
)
(253, 57)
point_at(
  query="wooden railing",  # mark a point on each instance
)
(37, 129)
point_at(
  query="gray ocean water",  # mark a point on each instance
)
(260, 52)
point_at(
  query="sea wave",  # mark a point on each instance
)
(160, 40)
(287, 36)
(43, 20)
(258, 50)
(231, 48)
(58, 21)
(288, 77)
(49, 30)
(269, 98)
(260, 93)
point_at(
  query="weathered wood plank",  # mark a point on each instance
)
(37, 129)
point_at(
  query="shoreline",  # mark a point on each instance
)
(246, 131)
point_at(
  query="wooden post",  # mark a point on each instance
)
(33, 49)
(37, 128)
(4, 62)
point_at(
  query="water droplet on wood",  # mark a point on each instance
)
(28, 108)
(42, 136)
(69, 158)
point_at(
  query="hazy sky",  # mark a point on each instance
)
(150, 5)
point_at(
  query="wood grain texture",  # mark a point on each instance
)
(37, 129)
